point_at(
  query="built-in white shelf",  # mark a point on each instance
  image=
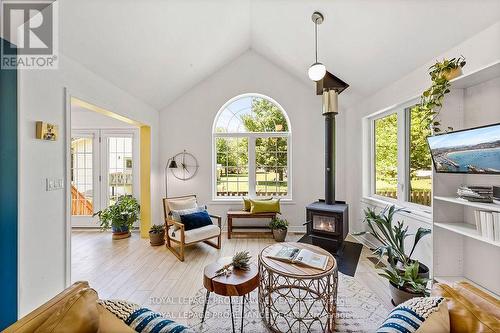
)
(467, 230)
(450, 280)
(485, 206)
(477, 77)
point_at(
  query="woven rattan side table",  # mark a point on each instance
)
(295, 298)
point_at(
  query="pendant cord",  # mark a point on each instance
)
(316, 39)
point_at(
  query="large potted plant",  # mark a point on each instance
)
(120, 216)
(279, 227)
(157, 235)
(431, 101)
(404, 273)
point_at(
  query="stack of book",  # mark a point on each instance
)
(476, 193)
(488, 224)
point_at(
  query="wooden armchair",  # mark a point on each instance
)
(177, 238)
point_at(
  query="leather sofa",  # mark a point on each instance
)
(471, 310)
(76, 310)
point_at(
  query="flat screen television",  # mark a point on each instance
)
(474, 151)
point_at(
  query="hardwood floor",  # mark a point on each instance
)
(133, 270)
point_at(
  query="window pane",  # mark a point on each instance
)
(420, 171)
(119, 176)
(386, 156)
(81, 176)
(271, 162)
(232, 166)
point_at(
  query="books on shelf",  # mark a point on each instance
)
(299, 256)
(488, 224)
(476, 193)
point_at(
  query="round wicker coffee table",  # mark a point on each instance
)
(295, 298)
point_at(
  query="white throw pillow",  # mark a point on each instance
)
(182, 204)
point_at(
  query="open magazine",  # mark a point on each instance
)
(299, 256)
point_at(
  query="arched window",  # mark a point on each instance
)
(251, 140)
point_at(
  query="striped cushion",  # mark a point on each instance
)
(418, 314)
(141, 319)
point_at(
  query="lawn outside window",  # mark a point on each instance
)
(251, 149)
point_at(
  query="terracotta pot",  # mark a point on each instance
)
(453, 73)
(120, 232)
(279, 234)
(156, 239)
(400, 296)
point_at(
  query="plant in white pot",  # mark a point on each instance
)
(407, 276)
(120, 216)
(279, 227)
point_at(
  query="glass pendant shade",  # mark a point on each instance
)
(317, 71)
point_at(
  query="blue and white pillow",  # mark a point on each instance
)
(176, 214)
(141, 319)
(419, 314)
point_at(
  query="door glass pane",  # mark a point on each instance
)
(119, 167)
(386, 156)
(420, 170)
(271, 162)
(82, 191)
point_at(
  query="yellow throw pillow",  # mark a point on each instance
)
(265, 206)
(247, 205)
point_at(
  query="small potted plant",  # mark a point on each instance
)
(120, 217)
(157, 235)
(279, 227)
(432, 99)
(405, 283)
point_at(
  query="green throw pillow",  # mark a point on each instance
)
(247, 205)
(265, 206)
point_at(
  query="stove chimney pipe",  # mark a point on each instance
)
(330, 110)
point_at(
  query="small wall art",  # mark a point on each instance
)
(46, 131)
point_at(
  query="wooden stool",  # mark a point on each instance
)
(239, 283)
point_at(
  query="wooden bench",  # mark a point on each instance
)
(241, 214)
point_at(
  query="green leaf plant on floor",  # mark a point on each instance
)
(402, 270)
(431, 101)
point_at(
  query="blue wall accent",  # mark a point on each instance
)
(8, 194)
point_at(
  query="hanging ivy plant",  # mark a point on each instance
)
(431, 100)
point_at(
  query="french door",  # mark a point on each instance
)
(102, 169)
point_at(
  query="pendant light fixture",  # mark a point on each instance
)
(317, 70)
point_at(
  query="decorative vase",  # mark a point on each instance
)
(120, 232)
(279, 234)
(400, 296)
(453, 73)
(156, 239)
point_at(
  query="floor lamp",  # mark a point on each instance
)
(171, 164)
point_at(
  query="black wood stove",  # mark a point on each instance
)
(327, 220)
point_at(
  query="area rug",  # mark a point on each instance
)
(347, 256)
(358, 310)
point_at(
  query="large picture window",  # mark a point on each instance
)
(401, 163)
(251, 136)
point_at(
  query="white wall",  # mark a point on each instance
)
(480, 50)
(42, 235)
(188, 125)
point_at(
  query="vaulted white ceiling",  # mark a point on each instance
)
(157, 50)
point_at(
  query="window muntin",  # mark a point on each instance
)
(401, 163)
(82, 187)
(251, 149)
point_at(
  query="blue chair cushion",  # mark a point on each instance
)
(196, 220)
